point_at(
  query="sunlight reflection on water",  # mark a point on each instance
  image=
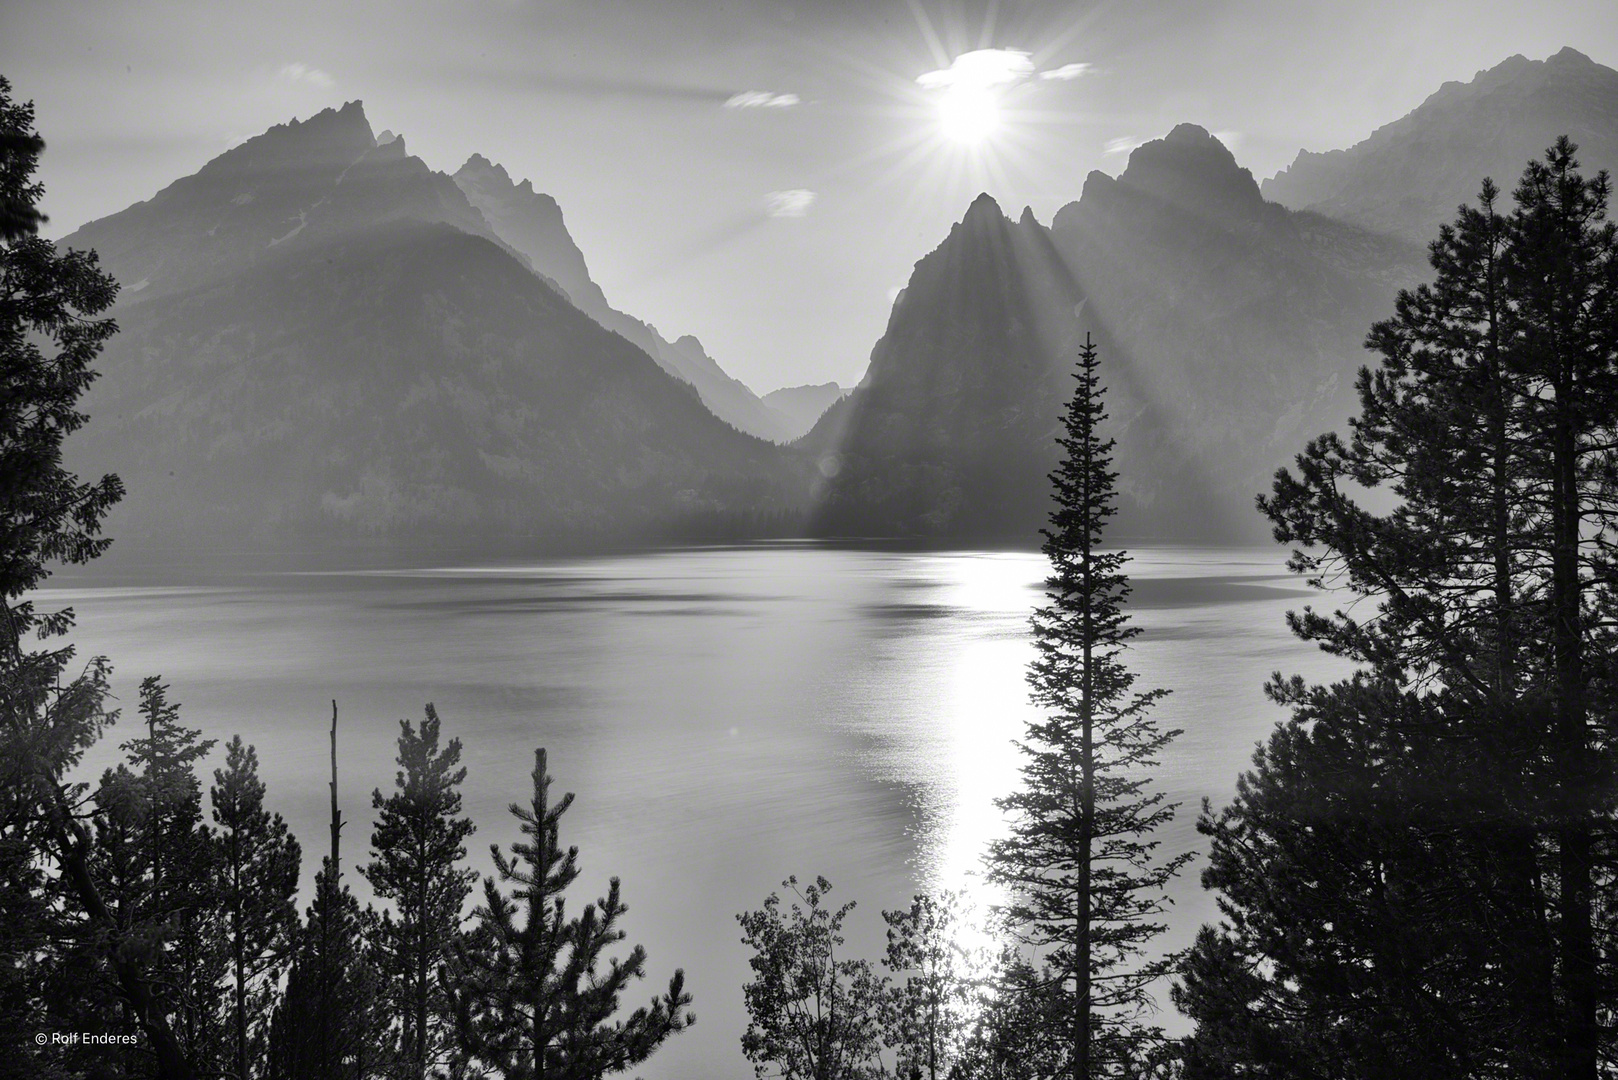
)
(727, 716)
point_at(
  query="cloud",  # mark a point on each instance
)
(784, 204)
(1067, 72)
(299, 72)
(1122, 145)
(1231, 139)
(761, 99)
(980, 68)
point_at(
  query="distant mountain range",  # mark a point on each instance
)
(324, 342)
(1231, 318)
(801, 406)
(1408, 177)
(1229, 330)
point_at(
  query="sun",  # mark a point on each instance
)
(969, 114)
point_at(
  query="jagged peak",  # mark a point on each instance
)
(1567, 54)
(390, 150)
(349, 113)
(336, 136)
(984, 204)
(1192, 168)
(478, 165)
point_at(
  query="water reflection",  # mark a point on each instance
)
(727, 716)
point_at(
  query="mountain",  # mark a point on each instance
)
(950, 433)
(801, 406)
(1230, 331)
(383, 371)
(531, 222)
(1240, 322)
(1408, 177)
(295, 186)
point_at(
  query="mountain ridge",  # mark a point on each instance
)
(532, 222)
(1229, 328)
(383, 368)
(1407, 177)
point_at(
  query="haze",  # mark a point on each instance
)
(760, 174)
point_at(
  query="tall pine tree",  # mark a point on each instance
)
(418, 849)
(1440, 907)
(1085, 880)
(1563, 280)
(49, 337)
(178, 905)
(258, 863)
(532, 999)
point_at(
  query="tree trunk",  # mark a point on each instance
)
(1578, 990)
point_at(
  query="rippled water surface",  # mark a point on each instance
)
(726, 716)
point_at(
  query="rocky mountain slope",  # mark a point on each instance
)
(1230, 331)
(332, 346)
(1408, 177)
(531, 222)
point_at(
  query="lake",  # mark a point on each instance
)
(727, 716)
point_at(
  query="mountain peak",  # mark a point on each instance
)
(1193, 170)
(1193, 135)
(983, 204)
(1407, 177)
(350, 117)
(1567, 54)
(478, 167)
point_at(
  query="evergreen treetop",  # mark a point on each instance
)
(534, 993)
(1086, 884)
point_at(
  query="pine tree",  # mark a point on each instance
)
(326, 1026)
(1563, 278)
(258, 863)
(530, 995)
(419, 845)
(1440, 907)
(178, 906)
(812, 1014)
(1086, 883)
(49, 337)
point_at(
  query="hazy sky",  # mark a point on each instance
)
(760, 173)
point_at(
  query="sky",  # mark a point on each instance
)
(760, 173)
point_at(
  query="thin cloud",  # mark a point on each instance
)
(1067, 72)
(299, 72)
(981, 68)
(1122, 145)
(761, 99)
(789, 204)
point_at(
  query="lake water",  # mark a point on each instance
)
(726, 716)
